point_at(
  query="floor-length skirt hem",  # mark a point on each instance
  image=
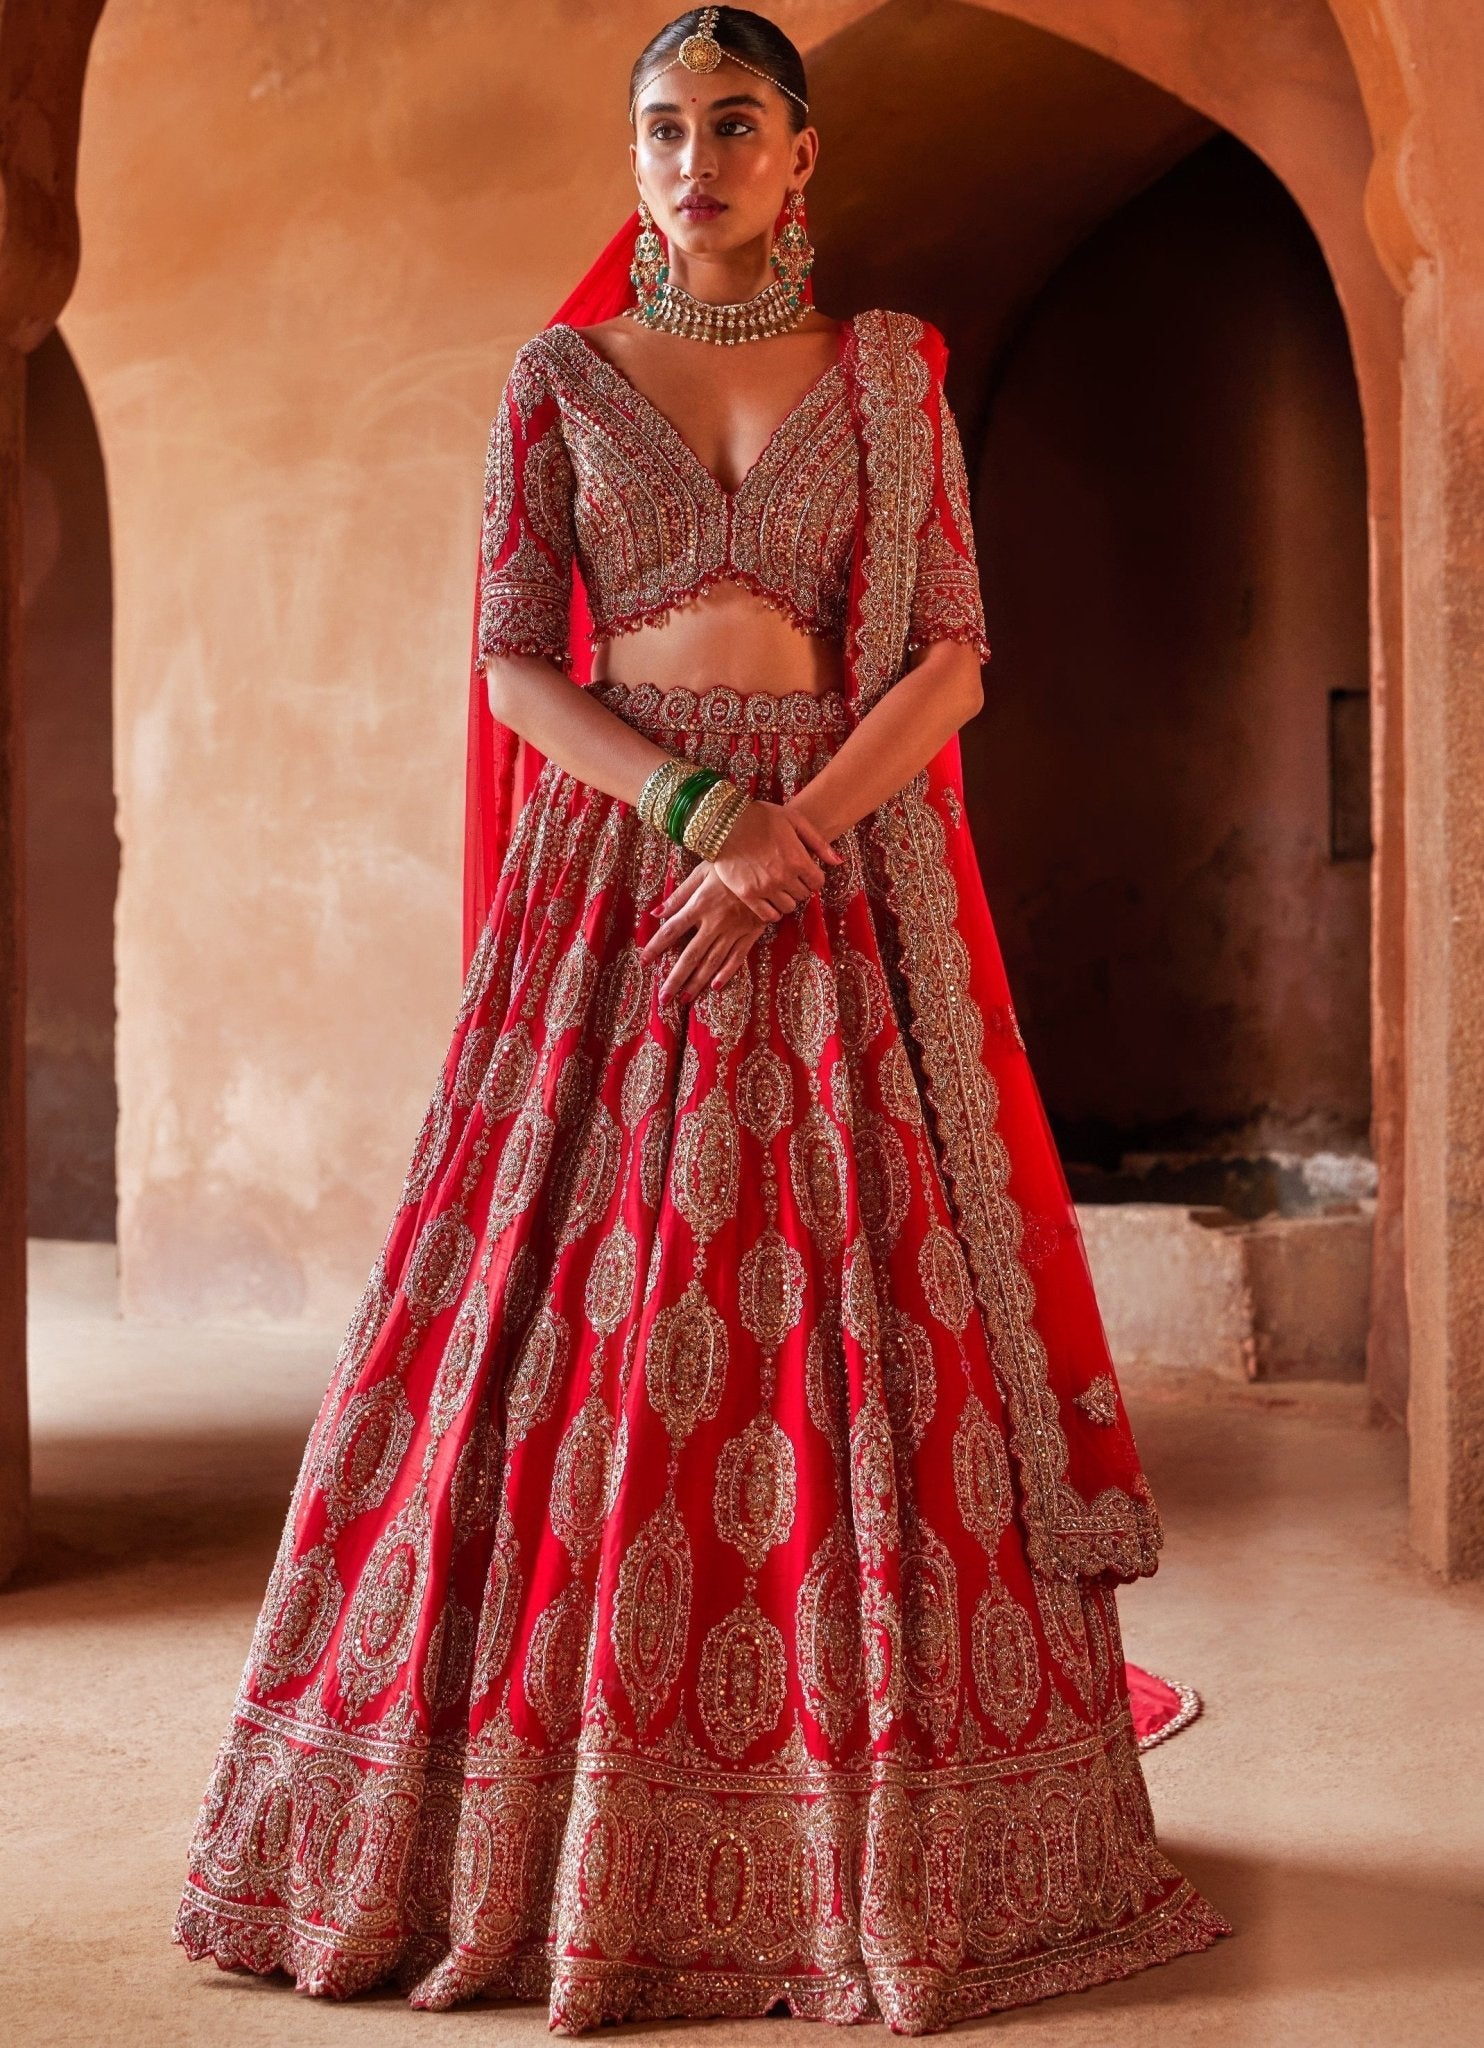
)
(653, 1631)
(582, 1995)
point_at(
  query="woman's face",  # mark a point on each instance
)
(714, 156)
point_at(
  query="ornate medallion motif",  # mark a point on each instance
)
(1007, 1672)
(651, 1611)
(945, 1279)
(874, 1503)
(828, 1635)
(816, 1165)
(756, 1489)
(579, 1480)
(743, 1679)
(383, 1611)
(686, 1365)
(522, 1166)
(497, 1614)
(858, 1306)
(556, 1658)
(367, 1449)
(705, 1166)
(571, 988)
(643, 1083)
(536, 1374)
(506, 1080)
(463, 1355)
(909, 1378)
(621, 992)
(291, 1638)
(860, 987)
(439, 1262)
(765, 1094)
(807, 1008)
(884, 1178)
(930, 1610)
(609, 1293)
(585, 1181)
(450, 1656)
(981, 1474)
(771, 1289)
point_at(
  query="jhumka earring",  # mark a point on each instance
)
(792, 253)
(650, 268)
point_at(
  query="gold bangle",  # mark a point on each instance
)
(659, 787)
(710, 825)
(697, 832)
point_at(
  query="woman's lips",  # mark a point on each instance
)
(701, 209)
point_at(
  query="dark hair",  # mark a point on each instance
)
(752, 37)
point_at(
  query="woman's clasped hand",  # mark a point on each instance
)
(773, 861)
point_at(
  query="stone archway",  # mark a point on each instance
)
(1365, 112)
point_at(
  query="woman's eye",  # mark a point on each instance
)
(736, 126)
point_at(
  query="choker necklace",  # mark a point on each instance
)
(673, 310)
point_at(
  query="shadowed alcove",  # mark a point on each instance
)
(72, 852)
(1169, 783)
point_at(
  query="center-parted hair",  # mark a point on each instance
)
(752, 37)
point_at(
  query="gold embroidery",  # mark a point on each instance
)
(828, 1633)
(370, 1440)
(770, 1294)
(1007, 1670)
(1067, 1535)
(743, 1679)
(756, 1489)
(651, 1611)
(1099, 1400)
(650, 526)
(687, 1363)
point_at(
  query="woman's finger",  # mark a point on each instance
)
(669, 933)
(674, 986)
(684, 889)
(816, 842)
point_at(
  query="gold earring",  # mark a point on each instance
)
(792, 253)
(649, 269)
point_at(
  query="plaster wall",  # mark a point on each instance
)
(312, 240)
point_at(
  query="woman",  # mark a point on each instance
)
(697, 1596)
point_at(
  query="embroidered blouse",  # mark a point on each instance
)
(580, 464)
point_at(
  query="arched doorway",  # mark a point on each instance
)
(1161, 420)
(1171, 784)
(72, 852)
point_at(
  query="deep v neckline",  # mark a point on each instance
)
(669, 427)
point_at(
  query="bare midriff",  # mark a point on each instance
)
(729, 636)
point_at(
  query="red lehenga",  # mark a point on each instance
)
(698, 1588)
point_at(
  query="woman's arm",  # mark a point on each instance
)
(938, 692)
(770, 861)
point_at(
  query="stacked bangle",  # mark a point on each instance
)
(709, 825)
(696, 807)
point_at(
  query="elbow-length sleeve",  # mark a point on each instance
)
(947, 602)
(527, 533)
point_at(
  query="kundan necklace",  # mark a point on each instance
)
(669, 308)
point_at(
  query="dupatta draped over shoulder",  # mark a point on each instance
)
(1086, 1505)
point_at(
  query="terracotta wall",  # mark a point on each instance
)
(312, 237)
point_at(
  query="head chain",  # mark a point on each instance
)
(702, 52)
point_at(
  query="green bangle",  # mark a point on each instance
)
(685, 800)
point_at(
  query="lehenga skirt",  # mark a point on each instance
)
(651, 1632)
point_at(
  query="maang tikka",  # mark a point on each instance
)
(777, 309)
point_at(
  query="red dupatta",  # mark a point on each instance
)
(1086, 1504)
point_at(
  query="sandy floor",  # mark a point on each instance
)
(1330, 1801)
